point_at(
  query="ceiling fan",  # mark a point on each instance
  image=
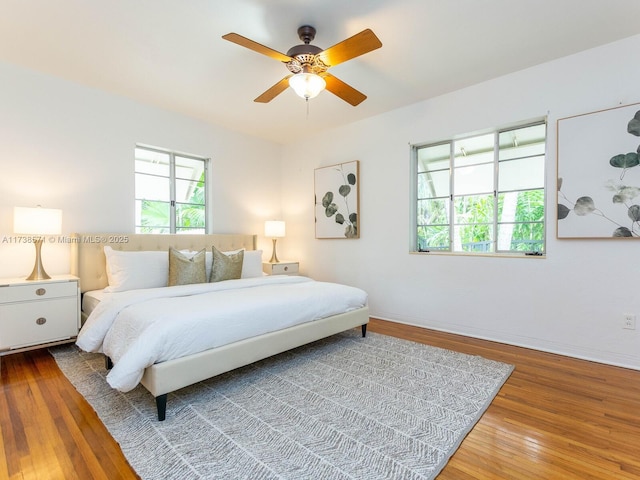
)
(308, 64)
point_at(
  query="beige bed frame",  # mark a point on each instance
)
(89, 264)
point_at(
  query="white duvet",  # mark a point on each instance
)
(138, 328)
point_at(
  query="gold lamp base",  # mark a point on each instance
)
(38, 272)
(274, 255)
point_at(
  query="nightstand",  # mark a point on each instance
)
(38, 313)
(280, 268)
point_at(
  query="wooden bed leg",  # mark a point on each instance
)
(108, 364)
(161, 403)
(364, 330)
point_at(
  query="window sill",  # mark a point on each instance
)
(472, 254)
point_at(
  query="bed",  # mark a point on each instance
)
(163, 377)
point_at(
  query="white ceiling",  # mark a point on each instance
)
(170, 53)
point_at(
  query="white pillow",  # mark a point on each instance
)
(252, 264)
(134, 270)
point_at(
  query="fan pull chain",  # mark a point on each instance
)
(307, 102)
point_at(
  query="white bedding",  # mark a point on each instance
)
(138, 328)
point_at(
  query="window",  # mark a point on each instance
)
(482, 193)
(170, 191)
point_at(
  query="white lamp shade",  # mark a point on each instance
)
(274, 228)
(307, 85)
(37, 221)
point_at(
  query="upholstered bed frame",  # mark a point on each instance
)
(89, 264)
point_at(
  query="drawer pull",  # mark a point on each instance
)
(41, 321)
(286, 269)
(41, 291)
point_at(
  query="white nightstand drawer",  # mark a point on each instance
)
(281, 268)
(38, 291)
(32, 323)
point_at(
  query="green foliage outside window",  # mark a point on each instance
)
(482, 193)
(528, 231)
(170, 191)
(155, 217)
(189, 215)
(474, 226)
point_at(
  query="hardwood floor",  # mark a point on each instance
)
(48, 430)
(555, 418)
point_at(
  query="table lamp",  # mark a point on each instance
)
(37, 221)
(274, 229)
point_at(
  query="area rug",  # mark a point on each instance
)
(344, 407)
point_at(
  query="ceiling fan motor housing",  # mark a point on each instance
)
(306, 33)
(304, 56)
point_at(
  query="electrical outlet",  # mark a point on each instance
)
(629, 321)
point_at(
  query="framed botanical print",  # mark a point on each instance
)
(337, 200)
(599, 174)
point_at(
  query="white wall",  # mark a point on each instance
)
(63, 145)
(571, 302)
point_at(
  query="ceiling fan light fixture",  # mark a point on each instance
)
(307, 85)
(308, 64)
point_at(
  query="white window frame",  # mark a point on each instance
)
(172, 185)
(495, 251)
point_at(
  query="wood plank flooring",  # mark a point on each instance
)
(555, 418)
(47, 428)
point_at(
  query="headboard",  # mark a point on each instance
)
(88, 261)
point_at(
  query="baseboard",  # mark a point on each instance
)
(606, 357)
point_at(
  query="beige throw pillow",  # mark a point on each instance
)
(226, 266)
(184, 270)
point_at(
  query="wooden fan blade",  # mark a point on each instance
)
(274, 91)
(342, 90)
(352, 47)
(256, 47)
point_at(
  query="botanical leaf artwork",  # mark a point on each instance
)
(624, 194)
(337, 187)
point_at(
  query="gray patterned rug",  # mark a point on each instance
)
(341, 408)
